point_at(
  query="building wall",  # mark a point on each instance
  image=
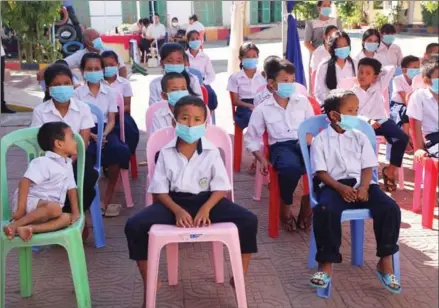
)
(180, 9)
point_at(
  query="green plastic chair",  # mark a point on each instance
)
(70, 238)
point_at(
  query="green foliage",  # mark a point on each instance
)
(29, 19)
(351, 12)
(431, 6)
(430, 12)
(380, 20)
(306, 10)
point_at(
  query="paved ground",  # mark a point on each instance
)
(278, 275)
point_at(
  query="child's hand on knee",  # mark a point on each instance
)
(349, 194)
(183, 219)
(362, 194)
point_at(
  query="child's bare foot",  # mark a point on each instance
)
(287, 218)
(25, 233)
(10, 230)
(252, 169)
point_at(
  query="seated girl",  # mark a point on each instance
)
(343, 160)
(61, 106)
(172, 60)
(321, 53)
(189, 201)
(371, 42)
(115, 153)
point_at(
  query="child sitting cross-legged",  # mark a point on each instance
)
(39, 199)
(343, 159)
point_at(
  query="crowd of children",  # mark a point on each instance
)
(343, 160)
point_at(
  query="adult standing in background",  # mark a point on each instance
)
(194, 24)
(4, 108)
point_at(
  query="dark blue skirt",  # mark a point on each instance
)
(212, 99)
(131, 132)
(243, 114)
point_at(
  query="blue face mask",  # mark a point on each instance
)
(174, 96)
(190, 134)
(285, 89)
(98, 44)
(195, 44)
(412, 72)
(62, 94)
(250, 63)
(348, 122)
(326, 11)
(435, 85)
(388, 39)
(343, 52)
(94, 77)
(110, 71)
(371, 47)
(174, 68)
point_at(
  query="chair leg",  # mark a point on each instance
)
(218, 261)
(3, 255)
(172, 262)
(154, 248)
(419, 170)
(396, 266)
(357, 238)
(274, 204)
(133, 165)
(429, 198)
(238, 274)
(25, 263)
(98, 223)
(312, 250)
(237, 155)
(126, 188)
(78, 266)
(259, 179)
(401, 180)
(326, 292)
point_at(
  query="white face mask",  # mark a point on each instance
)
(175, 24)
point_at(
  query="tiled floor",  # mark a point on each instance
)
(278, 274)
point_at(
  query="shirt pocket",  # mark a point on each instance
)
(352, 150)
(275, 124)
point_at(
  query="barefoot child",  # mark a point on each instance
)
(343, 160)
(39, 199)
(189, 183)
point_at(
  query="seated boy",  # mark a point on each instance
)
(431, 50)
(39, 199)
(342, 159)
(423, 108)
(388, 49)
(281, 115)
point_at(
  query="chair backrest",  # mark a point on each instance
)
(301, 89)
(197, 74)
(214, 134)
(121, 105)
(315, 105)
(150, 113)
(29, 136)
(205, 94)
(100, 127)
(314, 126)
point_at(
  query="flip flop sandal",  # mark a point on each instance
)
(322, 278)
(307, 220)
(103, 210)
(113, 210)
(389, 184)
(387, 280)
(290, 225)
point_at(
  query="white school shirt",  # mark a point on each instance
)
(418, 82)
(156, 30)
(155, 88)
(281, 124)
(377, 56)
(162, 118)
(78, 116)
(392, 54)
(74, 60)
(423, 107)
(52, 176)
(197, 26)
(121, 86)
(202, 62)
(371, 100)
(318, 56)
(204, 171)
(343, 156)
(105, 100)
(321, 90)
(245, 87)
(400, 84)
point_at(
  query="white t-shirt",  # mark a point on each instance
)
(197, 26)
(156, 30)
(423, 107)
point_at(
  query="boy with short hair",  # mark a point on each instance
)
(432, 49)
(388, 49)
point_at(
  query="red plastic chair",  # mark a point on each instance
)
(237, 142)
(205, 94)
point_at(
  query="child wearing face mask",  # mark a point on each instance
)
(432, 49)
(190, 183)
(388, 49)
(172, 60)
(423, 108)
(115, 153)
(371, 42)
(342, 160)
(281, 115)
(321, 53)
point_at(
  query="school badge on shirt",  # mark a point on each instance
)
(203, 182)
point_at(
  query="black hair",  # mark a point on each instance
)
(88, 56)
(374, 63)
(169, 48)
(61, 61)
(193, 17)
(146, 22)
(268, 60)
(156, 14)
(331, 73)
(49, 133)
(275, 67)
(430, 46)
(167, 77)
(247, 46)
(188, 35)
(388, 28)
(320, 3)
(429, 66)
(189, 101)
(51, 72)
(329, 29)
(407, 60)
(335, 99)
(370, 32)
(174, 18)
(110, 54)
(186, 57)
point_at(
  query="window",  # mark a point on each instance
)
(146, 7)
(265, 12)
(105, 15)
(209, 12)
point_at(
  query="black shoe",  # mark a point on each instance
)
(5, 109)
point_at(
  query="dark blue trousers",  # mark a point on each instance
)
(131, 132)
(243, 114)
(213, 100)
(287, 160)
(386, 216)
(138, 226)
(397, 138)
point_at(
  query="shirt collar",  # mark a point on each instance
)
(203, 144)
(102, 89)
(165, 111)
(272, 101)
(200, 54)
(333, 133)
(57, 157)
(50, 106)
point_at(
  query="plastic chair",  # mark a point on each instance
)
(70, 238)
(124, 173)
(95, 209)
(206, 101)
(313, 82)
(356, 217)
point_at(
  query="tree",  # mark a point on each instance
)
(29, 20)
(431, 6)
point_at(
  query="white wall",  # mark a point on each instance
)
(227, 13)
(105, 15)
(180, 9)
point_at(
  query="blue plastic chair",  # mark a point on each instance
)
(356, 217)
(95, 209)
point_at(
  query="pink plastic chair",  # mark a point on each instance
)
(150, 114)
(218, 234)
(124, 173)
